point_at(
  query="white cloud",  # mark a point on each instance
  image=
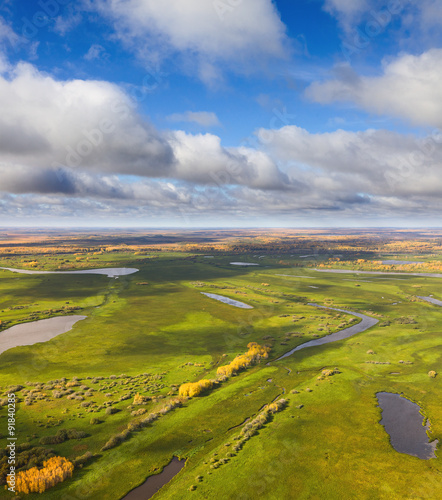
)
(93, 127)
(76, 123)
(202, 159)
(361, 166)
(409, 88)
(82, 143)
(95, 51)
(203, 118)
(243, 35)
(348, 12)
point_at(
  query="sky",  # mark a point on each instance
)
(220, 113)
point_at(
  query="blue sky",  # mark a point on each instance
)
(216, 113)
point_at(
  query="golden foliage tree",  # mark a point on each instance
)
(54, 471)
(255, 353)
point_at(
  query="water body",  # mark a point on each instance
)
(243, 264)
(292, 276)
(154, 483)
(399, 262)
(110, 272)
(354, 271)
(404, 424)
(365, 324)
(226, 300)
(36, 331)
(431, 300)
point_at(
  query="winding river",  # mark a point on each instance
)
(365, 324)
(36, 331)
(157, 481)
(355, 271)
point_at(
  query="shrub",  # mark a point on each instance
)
(63, 435)
(110, 410)
(432, 374)
(140, 400)
(137, 413)
(79, 461)
(116, 440)
(94, 421)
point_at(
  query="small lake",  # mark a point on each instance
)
(365, 324)
(228, 301)
(157, 481)
(243, 264)
(36, 331)
(404, 424)
(110, 272)
(431, 300)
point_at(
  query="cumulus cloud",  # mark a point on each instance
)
(83, 143)
(409, 88)
(76, 123)
(241, 34)
(203, 118)
(359, 167)
(202, 159)
(93, 127)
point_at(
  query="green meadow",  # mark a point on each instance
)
(149, 332)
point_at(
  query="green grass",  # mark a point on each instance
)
(333, 447)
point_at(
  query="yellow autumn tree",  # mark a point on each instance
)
(253, 355)
(192, 389)
(54, 471)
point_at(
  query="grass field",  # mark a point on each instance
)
(150, 332)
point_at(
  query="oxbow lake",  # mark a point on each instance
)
(110, 272)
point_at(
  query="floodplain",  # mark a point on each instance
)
(108, 396)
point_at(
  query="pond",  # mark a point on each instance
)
(243, 264)
(404, 424)
(228, 301)
(110, 272)
(365, 324)
(436, 302)
(157, 481)
(36, 331)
